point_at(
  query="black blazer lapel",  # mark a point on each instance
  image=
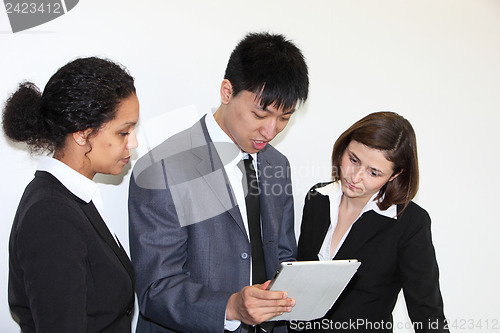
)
(96, 221)
(103, 231)
(368, 225)
(315, 224)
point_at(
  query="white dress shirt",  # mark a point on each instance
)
(334, 192)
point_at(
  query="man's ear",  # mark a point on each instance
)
(80, 137)
(394, 176)
(226, 91)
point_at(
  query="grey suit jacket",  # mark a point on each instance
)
(189, 247)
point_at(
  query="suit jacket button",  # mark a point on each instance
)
(129, 312)
(244, 255)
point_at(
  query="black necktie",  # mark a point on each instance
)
(253, 214)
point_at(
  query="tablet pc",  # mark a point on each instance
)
(315, 285)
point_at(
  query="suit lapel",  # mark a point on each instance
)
(315, 234)
(103, 231)
(364, 229)
(97, 222)
(266, 200)
(210, 163)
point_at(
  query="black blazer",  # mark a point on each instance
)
(394, 254)
(66, 272)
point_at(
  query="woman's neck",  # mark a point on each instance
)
(352, 206)
(75, 160)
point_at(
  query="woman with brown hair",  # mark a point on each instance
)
(366, 213)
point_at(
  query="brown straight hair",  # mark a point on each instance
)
(395, 137)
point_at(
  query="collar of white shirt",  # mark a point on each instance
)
(74, 181)
(218, 137)
(334, 192)
(82, 187)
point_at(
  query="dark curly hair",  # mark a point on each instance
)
(82, 94)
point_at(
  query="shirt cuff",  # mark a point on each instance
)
(231, 325)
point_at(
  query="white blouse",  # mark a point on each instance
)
(334, 192)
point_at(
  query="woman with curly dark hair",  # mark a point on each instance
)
(67, 272)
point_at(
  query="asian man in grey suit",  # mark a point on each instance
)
(202, 250)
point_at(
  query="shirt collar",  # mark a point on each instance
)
(334, 191)
(221, 139)
(75, 182)
(216, 133)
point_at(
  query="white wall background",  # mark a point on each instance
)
(436, 62)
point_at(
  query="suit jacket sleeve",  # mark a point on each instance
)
(158, 244)
(420, 275)
(52, 251)
(315, 223)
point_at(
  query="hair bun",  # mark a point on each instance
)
(22, 115)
